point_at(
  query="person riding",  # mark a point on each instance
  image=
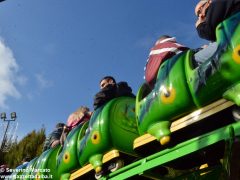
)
(109, 89)
(26, 160)
(165, 48)
(80, 116)
(210, 13)
(54, 138)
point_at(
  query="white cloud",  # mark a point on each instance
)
(22, 80)
(42, 81)
(8, 74)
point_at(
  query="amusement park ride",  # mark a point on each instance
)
(186, 127)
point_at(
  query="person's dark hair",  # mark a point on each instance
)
(108, 77)
(60, 125)
(27, 158)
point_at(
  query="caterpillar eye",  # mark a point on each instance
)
(95, 138)
(236, 54)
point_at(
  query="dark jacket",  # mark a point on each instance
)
(218, 11)
(55, 135)
(110, 92)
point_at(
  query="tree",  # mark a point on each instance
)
(31, 146)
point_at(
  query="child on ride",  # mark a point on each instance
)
(80, 116)
(54, 137)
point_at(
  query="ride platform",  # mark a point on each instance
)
(213, 116)
(88, 172)
(218, 149)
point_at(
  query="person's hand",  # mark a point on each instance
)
(90, 113)
(204, 46)
(66, 129)
(55, 143)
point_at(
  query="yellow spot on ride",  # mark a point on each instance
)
(98, 169)
(66, 157)
(236, 54)
(37, 176)
(165, 140)
(168, 95)
(95, 137)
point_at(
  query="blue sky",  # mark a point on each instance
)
(54, 52)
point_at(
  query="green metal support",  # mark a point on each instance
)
(178, 151)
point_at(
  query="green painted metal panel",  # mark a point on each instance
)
(178, 151)
(112, 126)
(46, 164)
(67, 160)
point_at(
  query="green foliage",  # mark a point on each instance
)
(31, 146)
(2, 154)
